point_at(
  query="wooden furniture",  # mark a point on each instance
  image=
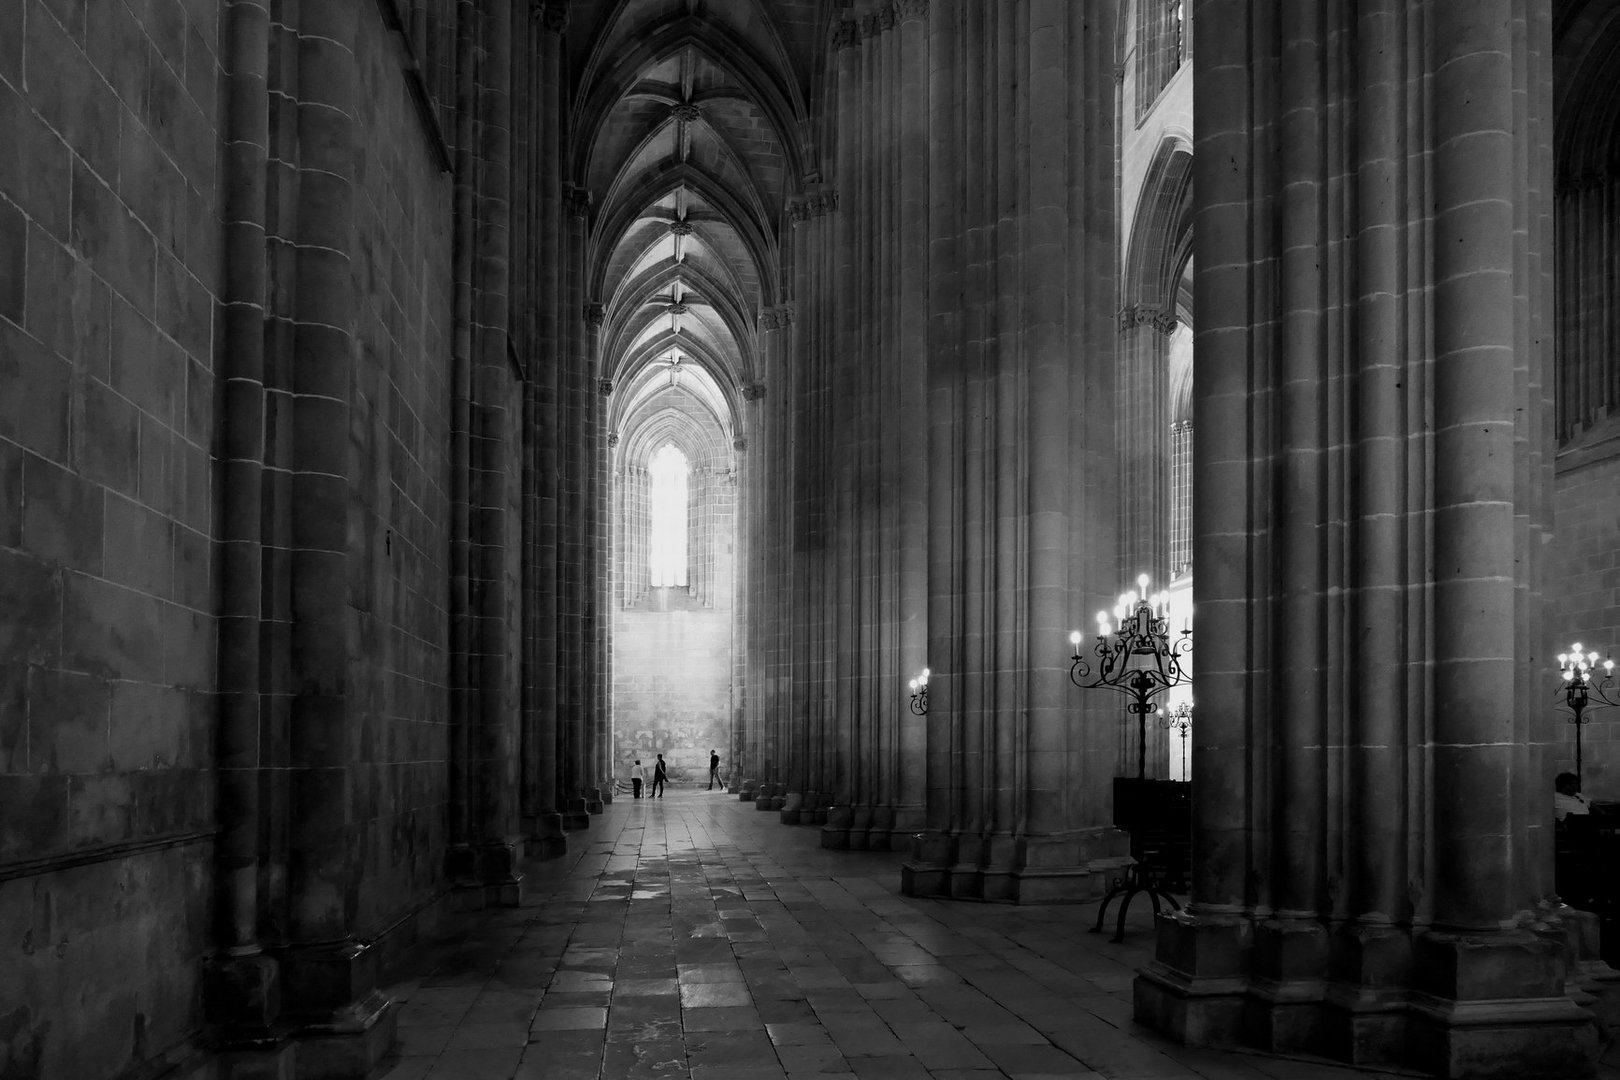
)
(1158, 816)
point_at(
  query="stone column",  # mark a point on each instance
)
(1012, 783)
(1367, 539)
(243, 995)
(906, 747)
(597, 769)
(328, 974)
(572, 556)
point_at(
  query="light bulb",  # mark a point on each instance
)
(1563, 658)
(1608, 665)
(1074, 638)
(1105, 629)
(1141, 582)
(1130, 598)
(1102, 616)
(914, 685)
(926, 673)
(1575, 648)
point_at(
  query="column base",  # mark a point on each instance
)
(272, 1060)
(485, 875)
(242, 994)
(1286, 987)
(1364, 1006)
(746, 793)
(593, 801)
(1480, 1005)
(792, 806)
(339, 1025)
(1194, 989)
(574, 814)
(835, 833)
(1015, 870)
(1493, 1005)
(350, 1045)
(544, 836)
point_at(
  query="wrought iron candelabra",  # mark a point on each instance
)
(1584, 689)
(1135, 658)
(919, 694)
(1179, 719)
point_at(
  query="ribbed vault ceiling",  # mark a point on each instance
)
(691, 135)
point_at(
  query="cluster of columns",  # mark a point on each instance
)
(1371, 833)
(564, 727)
(524, 684)
(948, 366)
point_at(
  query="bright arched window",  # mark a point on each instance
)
(667, 475)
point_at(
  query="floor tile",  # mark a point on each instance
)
(697, 939)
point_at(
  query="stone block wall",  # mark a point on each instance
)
(108, 275)
(1583, 592)
(672, 663)
(400, 505)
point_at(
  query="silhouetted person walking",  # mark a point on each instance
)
(659, 776)
(714, 768)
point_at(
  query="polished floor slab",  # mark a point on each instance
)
(693, 938)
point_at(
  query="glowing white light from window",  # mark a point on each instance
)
(667, 547)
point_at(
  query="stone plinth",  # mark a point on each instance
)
(1014, 870)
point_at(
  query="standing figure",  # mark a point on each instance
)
(714, 768)
(636, 776)
(659, 776)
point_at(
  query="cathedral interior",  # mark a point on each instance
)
(417, 414)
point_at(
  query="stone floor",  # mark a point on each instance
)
(692, 937)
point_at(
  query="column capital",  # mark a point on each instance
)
(554, 15)
(577, 200)
(595, 314)
(911, 9)
(1134, 315)
(848, 34)
(604, 387)
(740, 443)
(613, 439)
(784, 315)
(767, 322)
(754, 391)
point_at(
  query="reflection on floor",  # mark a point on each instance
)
(693, 937)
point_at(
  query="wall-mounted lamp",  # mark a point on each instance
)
(919, 694)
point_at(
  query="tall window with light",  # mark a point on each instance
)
(667, 505)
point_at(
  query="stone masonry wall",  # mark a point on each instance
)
(108, 273)
(672, 664)
(400, 515)
(1583, 591)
